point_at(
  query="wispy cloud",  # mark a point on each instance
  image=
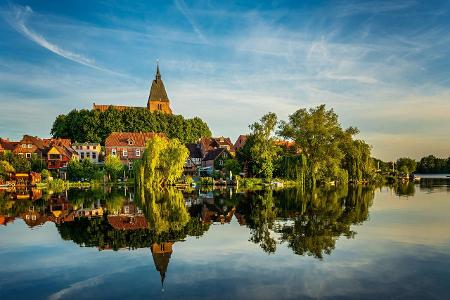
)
(18, 17)
(184, 9)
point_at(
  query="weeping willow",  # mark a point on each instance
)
(294, 167)
(161, 164)
(165, 210)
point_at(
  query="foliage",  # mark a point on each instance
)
(19, 162)
(233, 166)
(330, 151)
(83, 170)
(45, 175)
(262, 145)
(433, 165)
(162, 162)
(5, 169)
(406, 165)
(94, 125)
(113, 167)
(37, 163)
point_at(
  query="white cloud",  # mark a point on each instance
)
(18, 18)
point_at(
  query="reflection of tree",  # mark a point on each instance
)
(164, 209)
(322, 216)
(98, 232)
(261, 219)
(405, 189)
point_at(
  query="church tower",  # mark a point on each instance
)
(158, 100)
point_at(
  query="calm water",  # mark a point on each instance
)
(390, 242)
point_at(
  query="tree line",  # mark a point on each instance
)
(320, 151)
(95, 126)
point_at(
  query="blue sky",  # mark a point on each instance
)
(384, 66)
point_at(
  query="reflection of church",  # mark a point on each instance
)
(161, 255)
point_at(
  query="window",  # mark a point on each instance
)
(30, 146)
(224, 155)
(220, 162)
(113, 152)
(138, 152)
(88, 147)
(24, 145)
(94, 155)
(124, 153)
(130, 166)
(88, 154)
(28, 155)
(130, 142)
(82, 155)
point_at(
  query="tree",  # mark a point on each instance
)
(5, 169)
(95, 126)
(263, 148)
(162, 162)
(113, 167)
(233, 166)
(406, 165)
(319, 136)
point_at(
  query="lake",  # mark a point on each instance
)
(351, 243)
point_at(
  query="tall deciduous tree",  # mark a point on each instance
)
(406, 165)
(318, 134)
(113, 167)
(263, 148)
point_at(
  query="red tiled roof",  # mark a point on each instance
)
(117, 139)
(127, 222)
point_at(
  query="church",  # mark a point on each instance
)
(157, 99)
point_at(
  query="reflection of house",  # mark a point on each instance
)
(211, 213)
(128, 146)
(60, 210)
(90, 151)
(26, 179)
(161, 255)
(157, 100)
(34, 217)
(4, 220)
(121, 222)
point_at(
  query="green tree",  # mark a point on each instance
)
(406, 165)
(162, 162)
(233, 166)
(113, 167)
(264, 149)
(5, 169)
(318, 135)
(95, 126)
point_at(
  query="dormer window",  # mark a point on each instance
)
(130, 142)
(113, 152)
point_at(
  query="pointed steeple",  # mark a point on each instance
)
(158, 75)
(157, 90)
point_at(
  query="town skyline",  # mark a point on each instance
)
(382, 66)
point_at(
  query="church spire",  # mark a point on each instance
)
(158, 75)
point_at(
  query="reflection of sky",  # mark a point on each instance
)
(402, 251)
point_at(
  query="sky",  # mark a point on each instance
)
(383, 66)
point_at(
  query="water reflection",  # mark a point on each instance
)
(308, 222)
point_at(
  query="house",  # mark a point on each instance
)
(90, 151)
(158, 101)
(128, 146)
(29, 145)
(215, 159)
(194, 161)
(59, 156)
(208, 144)
(6, 145)
(240, 142)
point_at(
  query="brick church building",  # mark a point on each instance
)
(157, 99)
